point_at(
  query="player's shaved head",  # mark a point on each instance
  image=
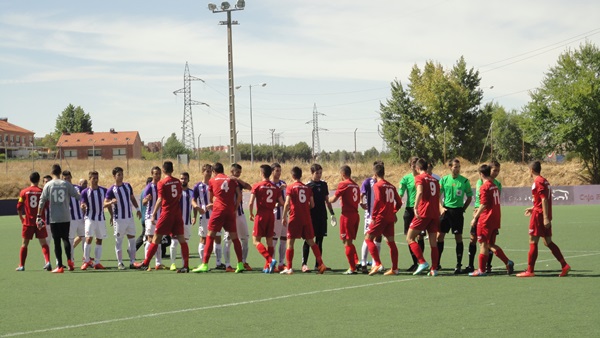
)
(266, 170)
(296, 173)
(34, 177)
(346, 171)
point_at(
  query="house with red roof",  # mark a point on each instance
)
(112, 145)
(14, 138)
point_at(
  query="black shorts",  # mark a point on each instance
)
(409, 214)
(60, 230)
(453, 219)
(320, 227)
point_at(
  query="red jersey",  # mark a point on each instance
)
(429, 206)
(223, 189)
(267, 195)
(169, 190)
(387, 202)
(29, 200)
(539, 189)
(489, 195)
(349, 192)
(300, 195)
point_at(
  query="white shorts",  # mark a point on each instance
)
(149, 227)
(367, 223)
(203, 227)
(280, 230)
(95, 229)
(187, 231)
(77, 228)
(124, 227)
(241, 227)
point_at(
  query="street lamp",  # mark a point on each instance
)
(226, 7)
(251, 128)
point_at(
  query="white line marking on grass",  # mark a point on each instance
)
(150, 315)
(554, 259)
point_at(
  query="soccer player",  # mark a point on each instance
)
(141, 239)
(27, 207)
(298, 201)
(427, 217)
(120, 198)
(92, 204)
(150, 198)
(407, 185)
(58, 194)
(487, 220)
(186, 213)
(457, 193)
(266, 195)
(46, 218)
(318, 214)
(495, 165)
(386, 203)
(366, 197)
(280, 235)
(540, 224)
(200, 204)
(241, 224)
(77, 227)
(348, 191)
(83, 183)
(222, 199)
(170, 220)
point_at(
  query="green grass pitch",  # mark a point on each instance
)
(138, 304)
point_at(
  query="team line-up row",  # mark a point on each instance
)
(284, 212)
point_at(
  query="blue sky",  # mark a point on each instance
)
(122, 60)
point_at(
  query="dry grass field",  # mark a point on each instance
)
(14, 176)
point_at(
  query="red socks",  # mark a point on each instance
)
(289, 257)
(416, 250)
(46, 253)
(350, 255)
(500, 254)
(317, 252)
(394, 254)
(556, 252)
(185, 254)
(151, 252)
(208, 248)
(237, 246)
(483, 262)
(373, 251)
(22, 255)
(264, 252)
(532, 257)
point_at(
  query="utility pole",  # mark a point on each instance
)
(273, 143)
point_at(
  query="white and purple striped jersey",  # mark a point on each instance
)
(152, 190)
(278, 211)
(94, 199)
(366, 189)
(186, 206)
(123, 192)
(76, 212)
(200, 194)
(240, 209)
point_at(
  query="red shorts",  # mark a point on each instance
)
(380, 227)
(169, 225)
(430, 224)
(349, 226)
(28, 232)
(264, 225)
(223, 220)
(486, 235)
(299, 229)
(536, 225)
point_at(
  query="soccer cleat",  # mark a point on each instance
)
(305, 268)
(433, 273)
(510, 267)
(121, 266)
(220, 267)
(358, 266)
(247, 267)
(272, 265)
(391, 272)
(349, 272)
(58, 270)
(488, 269)
(322, 269)
(48, 267)
(173, 267)
(20, 268)
(287, 272)
(98, 266)
(281, 267)
(142, 266)
(160, 267)
(469, 269)
(265, 270)
(439, 267)
(478, 273)
(132, 266)
(458, 270)
(364, 270)
(526, 273)
(229, 269)
(202, 268)
(185, 269)
(412, 268)
(421, 268)
(85, 266)
(565, 271)
(240, 267)
(71, 265)
(375, 269)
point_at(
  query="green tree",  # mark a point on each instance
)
(565, 110)
(439, 107)
(73, 120)
(174, 147)
(48, 141)
(507, 134)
